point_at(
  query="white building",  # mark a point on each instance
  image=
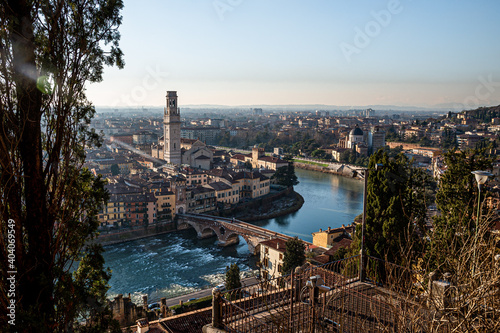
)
(355, 137)
(272, 253)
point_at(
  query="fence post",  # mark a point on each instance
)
(314, 300)
(216, 308)
(362, 260)
(362, 266)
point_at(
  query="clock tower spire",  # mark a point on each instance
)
(172, 130)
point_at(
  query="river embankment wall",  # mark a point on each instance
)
(345, 170)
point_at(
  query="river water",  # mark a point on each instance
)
(173, 264)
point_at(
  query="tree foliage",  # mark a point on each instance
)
(449, 139)
(115, 169)
(352, 157)
(49, 51)
(456, 198)
(248, 165)
(233, 277)
(286, 176)
(294, 255)
(90, 286)
(396, 205)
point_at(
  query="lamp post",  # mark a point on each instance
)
(363, 224)
(481, 178)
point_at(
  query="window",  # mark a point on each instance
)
(266, 250)
(281, 256)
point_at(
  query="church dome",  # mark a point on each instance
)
(356, 131)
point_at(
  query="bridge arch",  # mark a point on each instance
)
(207, 232)
(227, 232)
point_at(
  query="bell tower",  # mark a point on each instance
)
(172, 130)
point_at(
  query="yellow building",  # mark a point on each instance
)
(225, 193)
(165, 205)
(326, 238)
(194, 177)
(252, 184)
(114, 213)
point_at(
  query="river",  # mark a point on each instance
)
(178, 263)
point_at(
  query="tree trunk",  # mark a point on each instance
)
(36, 285)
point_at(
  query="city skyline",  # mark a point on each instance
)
(237, 53)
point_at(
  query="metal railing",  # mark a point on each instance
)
(283, 304)
(329, 298)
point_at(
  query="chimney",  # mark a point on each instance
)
(145, 302)
(329, 228)
(163, 307)
(320, 230)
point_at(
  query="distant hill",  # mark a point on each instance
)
(485, 113)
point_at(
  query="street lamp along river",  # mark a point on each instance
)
(481, 178)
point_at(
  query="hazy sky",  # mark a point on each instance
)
(334, 52)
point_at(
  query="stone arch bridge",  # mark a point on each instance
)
(227, 230)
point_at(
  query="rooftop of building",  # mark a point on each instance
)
(349, 229)
(219, 186)
(341, 242)
(276, 243)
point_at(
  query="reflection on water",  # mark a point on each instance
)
(329, 201)
(177, 263)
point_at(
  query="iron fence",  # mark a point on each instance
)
(332, 298)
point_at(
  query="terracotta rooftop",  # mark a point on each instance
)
(271, 159)
(188, 322)
(344, 242)
(219, 186)
(276, 243)
(349, 229)
(191, 141)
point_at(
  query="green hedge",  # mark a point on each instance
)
(199, 303)
(313, 163)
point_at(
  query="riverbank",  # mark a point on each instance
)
(286, 205)
(344, 170)
(278, 204)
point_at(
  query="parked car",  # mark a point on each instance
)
(192, 299)
(221, 287)
(153, 306)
